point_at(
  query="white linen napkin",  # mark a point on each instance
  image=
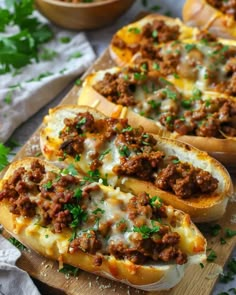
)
(13, 280)
(23, 94)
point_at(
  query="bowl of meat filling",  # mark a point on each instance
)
(82, 14)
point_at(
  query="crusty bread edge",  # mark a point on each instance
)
(222, 149)
(149, 277)
(205, 208)
(196, 12)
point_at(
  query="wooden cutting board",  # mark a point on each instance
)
(199, 281)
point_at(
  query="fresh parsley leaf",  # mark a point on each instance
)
(211, 256)
(145, 230)
(4, 152)
(47, 185)
(169, 93)
(78, 82)
(65, 39)
(18, 50)
(189, 47)
(78, 193)
(134, 30)
(103, 154)
(48, 54)
(70, 170)
(156, 202)
(8, 98)
(81, 123)
(77, 54)
(17, 244)
(229, 233)
(69, 270)
(124, 151)
(78, 214)
(98, 210)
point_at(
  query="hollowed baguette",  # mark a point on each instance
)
(199, 13)
(42, 238)
(201, 207)
(223, 149)
(130, 35)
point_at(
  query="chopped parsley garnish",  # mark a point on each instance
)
(128, 129)
(40, 77)
(230, 273)
(154, 104)
(103, 154)
(17, 244)
(4, 152)
(78, 193)
(208, 102)
(169, 93)
(201, 265)
(215, 229)
(124, 223)
(146, 231)
(69, 270)
(8, 98)
(70, 170)
(186, 104)
(176, 161)
(19, 49)
(77, 158)
(94, 176)
(144, 66)
(211, 256)
(98, 210)
(155, 8)
(156, 66)
(78, 214)
(166, 82)
(47, 185)
(196, 94)
(222, 241)
(139, 76)
(124, 151)
(134, 30)
(78, 82)
(169, 119)
(81, 123)
(156, 202)
(176, 76)
(77, 54)
(154, 33)
(65, 39)
(229, 233)
(189, 47)
(126, 77)
(48, 54)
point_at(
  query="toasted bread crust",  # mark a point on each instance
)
(196, 12)
(223, 150)
(207, 208)
(146, 277)
(123, 57)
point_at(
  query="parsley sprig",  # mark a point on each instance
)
(21, 48)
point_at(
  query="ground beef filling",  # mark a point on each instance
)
(160, 246)
(227, 7)
(60, 202)
(139, 155)
(211, 118)
(139, 158)
(156, 32)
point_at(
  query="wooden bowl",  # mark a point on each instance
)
(82, 15)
